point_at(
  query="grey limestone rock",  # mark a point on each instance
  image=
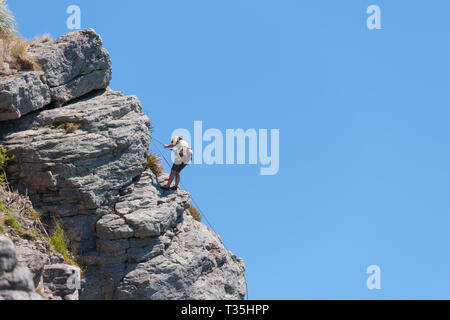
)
(36, 256)
(62, 282)
(75, 64)
(16, 281)
(22, 93)
(77, 176)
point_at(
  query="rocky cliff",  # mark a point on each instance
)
(80, 151)
(16, 281)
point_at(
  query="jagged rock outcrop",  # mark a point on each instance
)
(167, 254)
(83, 163)
(16, 281)
(74, 64)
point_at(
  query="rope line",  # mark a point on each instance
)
(193, 200)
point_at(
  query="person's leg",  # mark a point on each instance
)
(172, 175)
(177, 180)
(177, 175)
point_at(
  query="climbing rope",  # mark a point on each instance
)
(193, 200)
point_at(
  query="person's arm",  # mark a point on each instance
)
(173, 144)
(168, 146)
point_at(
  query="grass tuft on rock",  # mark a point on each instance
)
(59, 242)
(67, 127)
(12, 222)
(154, 164)
(195, 214)
(71, 127)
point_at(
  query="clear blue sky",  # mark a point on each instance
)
(364, 129)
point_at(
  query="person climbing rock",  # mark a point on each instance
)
(183, 155)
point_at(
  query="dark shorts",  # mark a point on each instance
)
(178, 167)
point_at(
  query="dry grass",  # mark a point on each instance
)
(68, 127)
(195, 214)
(71, 127)
(13, 53)
(154, 164)
(42, 39)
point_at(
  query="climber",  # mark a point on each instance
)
(183, 155)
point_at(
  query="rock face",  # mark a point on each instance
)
(83, 163)
(22, 94)
(36, 260)
(75, 64)
(194, 266)
(61, 282)
(77, 176)
(16, 281)
(167, 254)
(54, 279)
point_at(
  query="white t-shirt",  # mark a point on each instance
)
(182, 144)
(182, 149)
